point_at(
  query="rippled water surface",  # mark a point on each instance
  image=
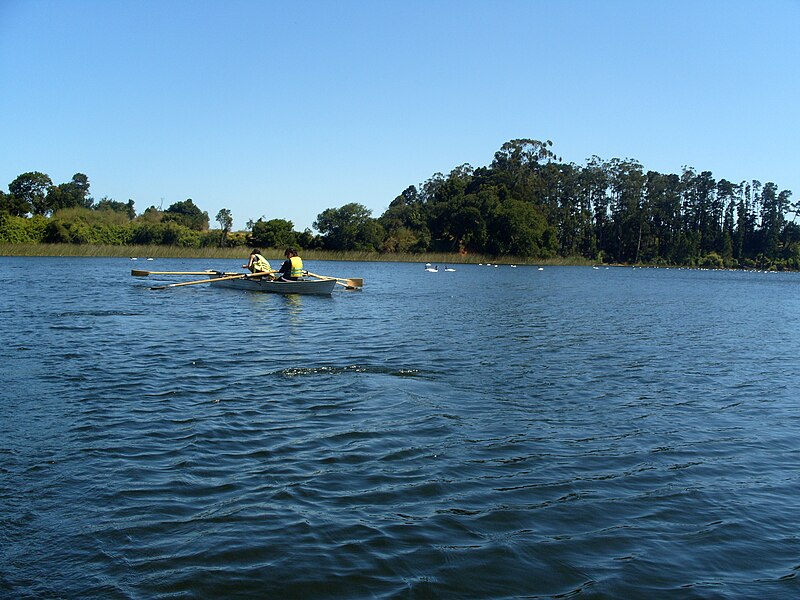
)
(485, 433)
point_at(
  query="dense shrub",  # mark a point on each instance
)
(19, 230)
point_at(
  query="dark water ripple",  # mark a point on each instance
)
(489, 433)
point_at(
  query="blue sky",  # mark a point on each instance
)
(284, 109)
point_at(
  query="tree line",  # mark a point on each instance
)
(527, 203)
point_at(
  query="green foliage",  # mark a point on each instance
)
(275, 233)
(75, 193)
(12, 205)
(85, 226)
(225, 220)
(350, 227)
(526, 204)
(19, 230)
(151, 215)
(712, 260)
(236, 238)
(29, 190)
(401, 239)
(520, 229)
(187, 214)
(126, 208)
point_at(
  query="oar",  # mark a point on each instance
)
(242, 276)
(352, 283)
(137, 273)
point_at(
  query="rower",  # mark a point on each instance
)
(292, 267)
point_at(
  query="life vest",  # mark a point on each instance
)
(260, 264)
(297, 267)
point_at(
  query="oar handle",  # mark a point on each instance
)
(138, 273)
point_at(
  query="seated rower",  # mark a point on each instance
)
(257, 263)
(292, 267)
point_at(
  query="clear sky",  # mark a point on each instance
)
(283, 109)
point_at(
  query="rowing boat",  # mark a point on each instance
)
(322, 285)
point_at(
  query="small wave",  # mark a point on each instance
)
(333, 370)
(100, 313)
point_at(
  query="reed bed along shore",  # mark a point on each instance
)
(440, 258)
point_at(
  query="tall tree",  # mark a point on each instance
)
(350, 227)
(405, 223)
(225, 220)
(29, 190)
(18, 207)
(187, 214)
(72, 194)
(275, 233)
(628, 219)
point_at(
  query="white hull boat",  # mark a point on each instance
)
(321, 286)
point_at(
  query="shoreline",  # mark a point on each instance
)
(109, 251)
(240, 252)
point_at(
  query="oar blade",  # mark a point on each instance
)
(352, 283)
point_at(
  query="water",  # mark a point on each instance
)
(487, 433)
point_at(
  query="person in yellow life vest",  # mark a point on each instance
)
(257, 263)
(292, 267)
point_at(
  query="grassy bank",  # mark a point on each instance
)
(272, 253)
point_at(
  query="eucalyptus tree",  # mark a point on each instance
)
(519, 166)
(774, 206)
(727, 195)
(748, 219)
(626, 184)
(662, 206)
(593, 183)
(704, 212)
(567, 210)
(741, 237)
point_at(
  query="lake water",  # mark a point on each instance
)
(483, 433)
